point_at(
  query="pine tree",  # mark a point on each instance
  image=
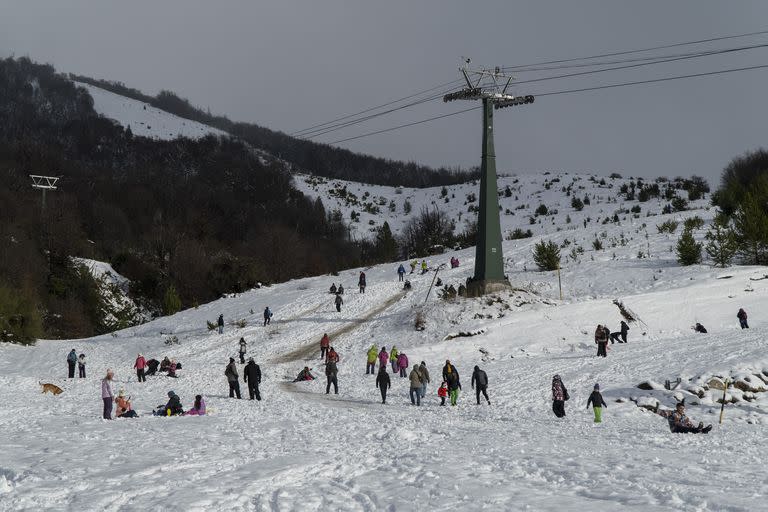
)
(688, 250)
(171, 301)
(750, 224)
(386, 245)
(546, 255)
(721, 242)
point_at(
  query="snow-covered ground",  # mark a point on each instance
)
(143, 119)
(300, 449)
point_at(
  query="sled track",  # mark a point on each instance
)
(307, 351)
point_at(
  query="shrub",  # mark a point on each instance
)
(546, 255)
(541, 210)
(668, 226)
(20, 319)
(688, 250)
(171, 301)
(577, 204)
(597, 245)
(519, 233)
(679, 204)
(693, 223)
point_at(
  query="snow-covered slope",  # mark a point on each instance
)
(145, 120)
(300, 449)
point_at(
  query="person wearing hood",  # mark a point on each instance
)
(402, 364)
(559, 396)
(139, 365)
(243, 348)
(480, 378)
(596, 399)
(602, 341)
(331, 373)
(173, 407)
(71, 362)
(198, 409)
(305, 374)
(742, 316)
(252, 377)
(370, 366)
(393, 358)
(232, 378)
(383, 357)
(332, 355)
(383, 382)
(220, 324)
(267, 316)
(415, 378)
(424, 378)
(81, 366)
(400, 272)
(106, 394)
(325, 342)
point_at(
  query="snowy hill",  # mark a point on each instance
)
(300, 449)
(145, 120)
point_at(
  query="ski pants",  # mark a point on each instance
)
(417, 393)
(267, 320)
(81, 369)
(234, 389)
(338, 308)
(107, 408)
(383, 390)
(400, 276)
(394, 367)
(482, 389)
(743, 324)
(370, 368)
(442, 400)
(454, 396)
(323, 351)
(601, 347)
(71, 365)
(687, 430)
(598, 414)
(332, 380)
(402, 372)
(140, 375)
(253, 390)
(558, 407)
(221, 329)
(242, 357)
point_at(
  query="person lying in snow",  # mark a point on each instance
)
(679, 423)
(152, 365)
(304, 374)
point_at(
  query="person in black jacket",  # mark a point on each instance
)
(559, 396)
(448, 368)
(172, 408)
(383, 382)
(596, 399)
(152, 365)
(338, 301)
(252, 377)
(622, 332)
(220, 324)
(480, 378)
(331, 371)
(232, 376)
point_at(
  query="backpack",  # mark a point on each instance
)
(565, 393)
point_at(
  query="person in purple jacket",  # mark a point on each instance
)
(402, 364)
(383, 357)
(106, 394)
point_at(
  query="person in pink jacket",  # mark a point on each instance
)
(402, 364)
(383, 357)
(140, 364)
(198, 409)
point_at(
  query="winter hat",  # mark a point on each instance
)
(477, 367)
(171, 394)
(250, 359)
(556, 377)
(231, 359)
(121, 392)
(423, 363)
(597, 387)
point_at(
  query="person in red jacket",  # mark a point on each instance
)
(325, 342)
(442, 392)
(332, 356)
(140, 364)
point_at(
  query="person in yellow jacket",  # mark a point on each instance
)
(393, 358)
(373, 353)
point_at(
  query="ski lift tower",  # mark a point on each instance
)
(489, 261)
(43, 183)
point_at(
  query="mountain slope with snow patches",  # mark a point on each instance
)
(302, 449)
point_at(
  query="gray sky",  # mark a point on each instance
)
(290, 64)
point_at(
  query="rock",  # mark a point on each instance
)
(743, 385)
(646, 385)
(716, 383)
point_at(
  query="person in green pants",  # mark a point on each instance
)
(454, 385)
(597, 402)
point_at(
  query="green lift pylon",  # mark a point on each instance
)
(489, 258)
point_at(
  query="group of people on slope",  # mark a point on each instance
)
(267, 320)
(74, 360)
(141, 365)
(124, 409)
(603, 335)
(251, 376)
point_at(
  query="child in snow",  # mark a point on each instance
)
(172, 369)
(742, 316)
(242, 350)
(304, 374)
(442, 392)
(596, 399)
(81, 365)
(679, 423)
(559, 396)
(124, 409)
(198, 409)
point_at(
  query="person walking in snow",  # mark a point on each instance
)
(393, 358)
(559, 396)
(383, 382)
(480, 378)
(220, 323)
(106, 394)
(81, 366)
(402, 364)
(424, 378)
(602, 341)
(415, 391)
(71, 361)
(370, 366)
(332, 356)
(423, 266)
(267, 316)
(338, 301)
(596, 399)
(139, 366)
(454, 385)
(442, 392)
(622, 332)
(361, 282)
(448, 369)
(232, 378)
(679, 423)
(742, 316)
(331, 373)
(325, 342)
(383, 357)
(252, 377)
(400, 272)
(242, 350)
(413, 264)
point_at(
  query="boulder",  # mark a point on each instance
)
(716, 383)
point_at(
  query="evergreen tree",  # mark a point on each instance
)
(171, 301)
(386, 245)
(750, 224)
(546, 255)
(688, 250)
(721, 242)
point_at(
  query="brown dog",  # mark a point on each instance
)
(53, 388)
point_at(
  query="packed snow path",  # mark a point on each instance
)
(305, 450)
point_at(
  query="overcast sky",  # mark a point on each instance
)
(291, 64)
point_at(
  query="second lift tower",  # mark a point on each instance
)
(489, 259)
